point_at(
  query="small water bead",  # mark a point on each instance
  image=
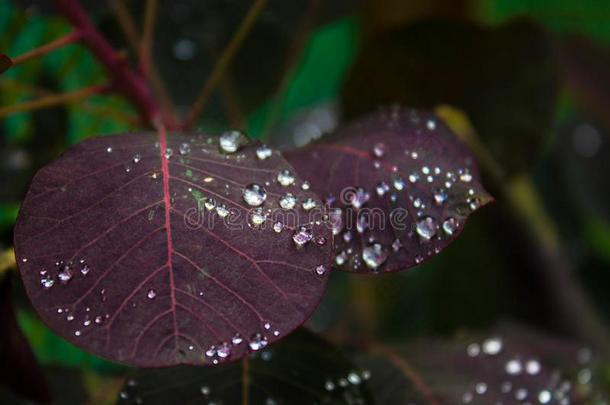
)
(414, 177)
(480, 388)
(379, 150)
(492, 346)
(137, 158)
(302, 237)
(544, 397)
(431, 125)
(396, 245)
(467, 398)
(426, 228)
(211, 352)
(450, 225)
(168, 153)
(382, 188)
(257, 342)
(285, 178)
(257, 217)
(70, 318)
(466, 177)
(320, 240)
(224, 351)
(414, 155)
(521, 394)
(374, 255)
(440, 197)
(288, 201)
(263, 152)
(184, 148)
(65, 275)
(358, 198)
(205, 390)
(231, 141)
(222, 211)
(209, 204)
(341, 258)
(473, 350)
(109, 149)
(85, 269)
(532, 367)
(254, 195)
(347, 236)
(151, 294)
(513, 367)
(329, 385)
(398, 183)
(278, 226)
(47, 282)
(236, 339)
(321, 269)
(354, 378)
(77, 333)
(309, 204)
(305, 186)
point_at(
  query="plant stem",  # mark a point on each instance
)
(7, 260)
(53, 100)
(224, 61)
(124, 80)
(150, 14)
(245, 380)
(45, 49)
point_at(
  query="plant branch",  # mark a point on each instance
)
(150, 14)
(128, 26)
(223, 63)
(45, 49)
(53, 100)
(124, 80)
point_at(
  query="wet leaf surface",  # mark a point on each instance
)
(399, 186)
(19, 369)
(477, 69)
(511, 366)
(161, 250)
(301, 369)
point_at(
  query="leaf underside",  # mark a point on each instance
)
(399, 187)
(142, 249)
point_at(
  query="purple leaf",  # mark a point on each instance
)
(155, 252)
(399, 186)
(301, 369)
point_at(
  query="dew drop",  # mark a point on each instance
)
(209, 204)
(224, 350)
(222, 211)
(254, 195)
(513, 367)
(85, 269)
(285, 178)
(398, 183)
(450, 225)
(492, 346)
(309, 204)
(137, 158)
(263, 152)
(440, 197)
(47, 282)
(168, 153)
(236, 339)
(532, 367)
(374, 255)
(302, 237)
(109, 149)
(184, 148)
(544, 397)
(257, 342)
(78, 333)
(379, 150)
(426, 228)
(257, 217)
(205, 390)
(382, 188)
(151, 294)
(278, 226)
(231, 141)
(288, 201)
(354, 378)
(321, 269)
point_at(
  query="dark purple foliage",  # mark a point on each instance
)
(301, 369)
(149, 251)
(399, 186)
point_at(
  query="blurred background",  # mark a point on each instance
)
(531, 77)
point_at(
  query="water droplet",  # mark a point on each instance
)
(302, 237)
(236, 339)
(426, 228)
(257, 217)
(151, 294)
(231, 141)
(374, 255)
(440, 197)
(222, 211)
(168, 153)
(329, 385)
(465, 176)
(379, 150)
(78, 333)
(278, 226)
(520, 394)
(431, 125)
(254, 195)
(532, 367)
(288, 201)
(398, 183)
(85, 269)
(544, 397)
(354, 378)
(205, 390)
(359, 198)
(224, 350)
(305, 186)
(257, 342)
(263, 152)
(492, 346)
(450, 225)
(47, 282)
(209, 204)
(513, 367)
(321, 269)
(137, 158)
(309, 204)
(473, 350)
(184, 148)
(480, 388)
(65, 275)
(109, 149)
(285, 178)
(184, 49)
(382, 188)
(341, 258)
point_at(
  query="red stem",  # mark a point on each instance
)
(124, 80)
